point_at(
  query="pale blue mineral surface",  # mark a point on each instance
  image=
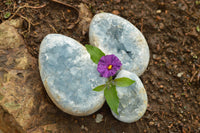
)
(132, 99)
(69, 75)
(115, 35)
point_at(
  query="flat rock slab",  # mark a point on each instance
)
(132, 99)
(115, 35)
(24, 104)
(69, 75)
(19, 84)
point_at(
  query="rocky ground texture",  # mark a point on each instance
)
(172, 79)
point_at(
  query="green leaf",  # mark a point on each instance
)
(197, 2)
(124, 82)
(100, 88)
(95, 53)
(7, 15)
(112, 98)
(198, 28)
(8, 2)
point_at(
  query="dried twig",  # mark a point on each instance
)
(68, 5)
(57, 1)
(193, 76)
(29, 22)
(36, 7)
(152, 115)
(198, 77)
(183, 43)
(16, 12)
(141, 24)
(53, 28)
(63, 15)
(26, 6)
(141, 28)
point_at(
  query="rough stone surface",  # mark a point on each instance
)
(15, 85)
(115, 35)
(17, 23)
(69, 75)
(24, 103)
(7, 32)
(132, 99)
(8, 123)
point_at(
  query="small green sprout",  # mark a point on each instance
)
(7, 15)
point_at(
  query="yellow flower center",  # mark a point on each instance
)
(109, 67)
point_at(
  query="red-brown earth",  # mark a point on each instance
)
(172, 79)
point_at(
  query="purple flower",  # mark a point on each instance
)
(108, 65)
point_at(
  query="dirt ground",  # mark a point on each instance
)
(172, 79)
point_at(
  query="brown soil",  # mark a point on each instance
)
(171, 30)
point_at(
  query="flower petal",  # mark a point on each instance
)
(106, 74)
(105, 61)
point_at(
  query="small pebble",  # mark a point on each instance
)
(158, 125)
(86, 129)
(181, 111)
(161, 26)
(99, 118)
(180, 74)
(160, 101)
(153, 97)
(158, 11)
(151, 123)
(82, 127)
(154, 56)
(158, 17)
(116, 12)
(181, 115)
